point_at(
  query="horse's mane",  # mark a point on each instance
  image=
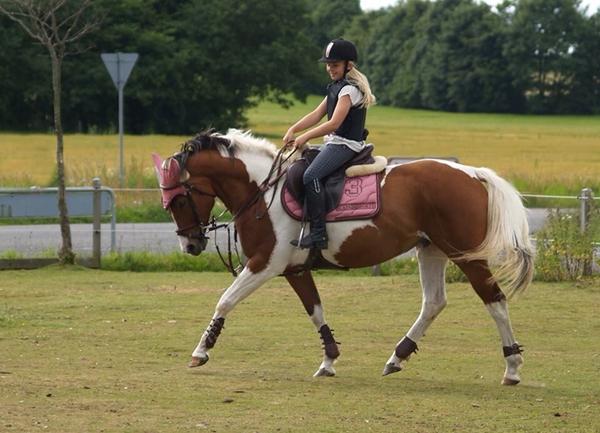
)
(230, 144)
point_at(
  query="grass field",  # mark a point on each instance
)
(98, 351)
(540, 154)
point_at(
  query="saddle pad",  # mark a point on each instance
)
(360, 200)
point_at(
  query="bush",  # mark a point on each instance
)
(563, 252)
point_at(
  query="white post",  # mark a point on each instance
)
(585, 199)
(96, 229)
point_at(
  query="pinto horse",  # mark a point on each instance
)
(446, 210)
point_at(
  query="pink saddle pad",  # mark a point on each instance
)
(360, 200)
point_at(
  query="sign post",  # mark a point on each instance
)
(119, 66)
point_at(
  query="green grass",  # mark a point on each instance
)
(87, 350)
(541, 154)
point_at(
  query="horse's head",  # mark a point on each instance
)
(189, 200)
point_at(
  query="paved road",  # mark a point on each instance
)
(34, 240)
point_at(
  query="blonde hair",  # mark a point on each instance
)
(357, 78)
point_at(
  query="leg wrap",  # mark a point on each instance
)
(515, 349)
(213, 331)
(329, 343)
(405, 348)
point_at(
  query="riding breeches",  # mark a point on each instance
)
(330, 158)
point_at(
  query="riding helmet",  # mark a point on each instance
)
(339, 49)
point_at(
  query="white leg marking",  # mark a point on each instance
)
(432, 269)
(326, 367)
(499, 311)
(246, 283)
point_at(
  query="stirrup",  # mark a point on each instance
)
(307, 242)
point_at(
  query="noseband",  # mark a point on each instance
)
(197, 224)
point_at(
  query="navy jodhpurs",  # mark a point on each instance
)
(330, 158)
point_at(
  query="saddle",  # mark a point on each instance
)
(352, 192)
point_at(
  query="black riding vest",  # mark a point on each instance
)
(353, 126)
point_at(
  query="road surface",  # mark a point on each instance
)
(36, 240)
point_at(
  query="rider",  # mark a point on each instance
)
(348, 97)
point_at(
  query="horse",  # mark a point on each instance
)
(448, 211)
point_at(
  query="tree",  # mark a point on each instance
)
(57, 25)
(393, 53)
(584, 68)
(202, 63)
(543, 37)
(471, 39)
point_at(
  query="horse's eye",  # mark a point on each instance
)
(179, 203)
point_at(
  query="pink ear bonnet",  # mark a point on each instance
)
(168, 173)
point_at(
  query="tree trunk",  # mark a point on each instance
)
(65, 253)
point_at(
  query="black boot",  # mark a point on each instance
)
(315, 203)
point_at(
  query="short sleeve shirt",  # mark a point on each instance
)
(356, 95)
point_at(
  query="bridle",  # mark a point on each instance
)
(200, 234)
(276, 172)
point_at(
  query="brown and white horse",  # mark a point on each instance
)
(446, 210)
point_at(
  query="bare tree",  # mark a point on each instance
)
(57, 25)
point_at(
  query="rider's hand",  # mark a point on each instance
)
(300, 141)
(288, 138)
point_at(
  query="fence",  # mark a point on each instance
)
(160, 237)
(92, 201)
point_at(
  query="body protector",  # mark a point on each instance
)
(353, 126)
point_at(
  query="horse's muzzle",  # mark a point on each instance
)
(195, 248)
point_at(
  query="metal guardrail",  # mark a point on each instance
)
(93, 201)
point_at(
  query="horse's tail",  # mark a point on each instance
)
(507, 242)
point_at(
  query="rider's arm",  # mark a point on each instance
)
(307, 121)
(339, 114)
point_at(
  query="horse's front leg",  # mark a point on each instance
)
(304, 286)
(246, 283)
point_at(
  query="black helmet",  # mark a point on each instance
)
(339, 49)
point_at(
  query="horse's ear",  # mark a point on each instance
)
(172, 170)
(158, 162)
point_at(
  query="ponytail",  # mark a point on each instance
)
(357, 78)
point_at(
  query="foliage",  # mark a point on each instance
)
(205, 63)
(200, 64)
(563, 252)
(152, 262)
(545, 39)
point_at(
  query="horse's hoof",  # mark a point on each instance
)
(197, 361)
(509, 381)
(390, 368)
(324, 372)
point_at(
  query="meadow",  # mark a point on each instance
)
(540, 154)
(99, 351)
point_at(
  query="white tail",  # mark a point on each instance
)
(507, 242)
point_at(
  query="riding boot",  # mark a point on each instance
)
(315, 203)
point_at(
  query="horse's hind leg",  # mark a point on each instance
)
(432, 266)
(482, 281)
(304, 286)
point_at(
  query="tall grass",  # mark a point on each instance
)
(540, 154)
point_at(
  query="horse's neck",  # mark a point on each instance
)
(238, 187)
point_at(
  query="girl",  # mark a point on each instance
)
(346, 103)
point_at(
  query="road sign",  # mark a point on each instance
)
(119, 66)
